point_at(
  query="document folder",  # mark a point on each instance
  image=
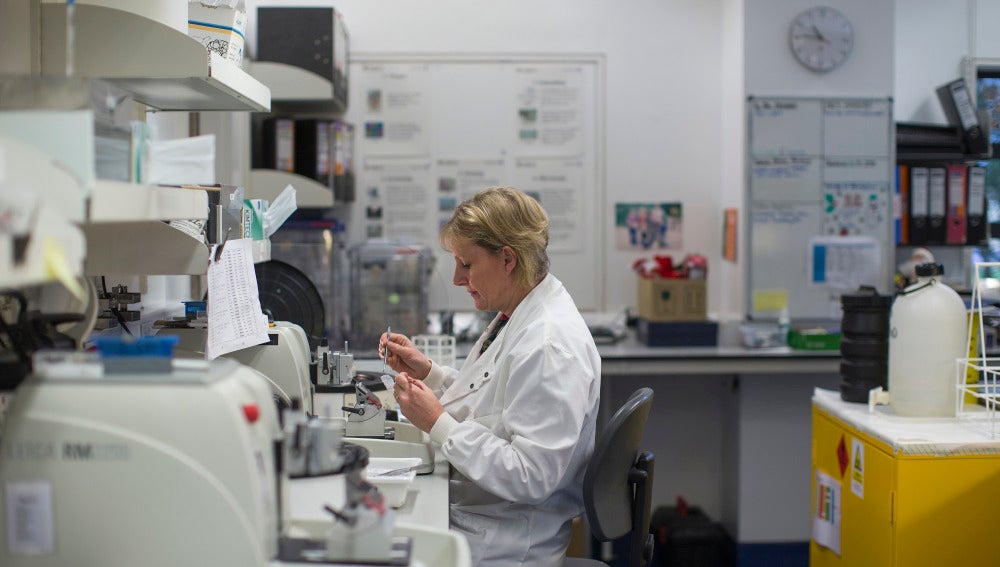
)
(955, 216)
(937, 204)
(959, 108)
(976, 205)
(919, 201)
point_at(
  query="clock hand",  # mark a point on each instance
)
(819, 35)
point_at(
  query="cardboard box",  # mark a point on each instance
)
(683, 333)
(220, 29)
(671, 299)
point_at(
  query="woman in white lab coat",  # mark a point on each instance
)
(516, 421)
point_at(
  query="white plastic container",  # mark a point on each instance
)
(393, 486)
(927, 333)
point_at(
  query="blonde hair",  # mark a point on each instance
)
(504, 216)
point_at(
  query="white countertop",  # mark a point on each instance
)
(973, 433)
(426, 502)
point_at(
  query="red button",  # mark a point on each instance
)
(251, 412)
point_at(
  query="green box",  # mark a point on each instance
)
(814, 340)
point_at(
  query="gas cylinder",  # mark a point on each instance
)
(927, 334)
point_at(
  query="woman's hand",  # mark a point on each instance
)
(417, 402)
(403, 356)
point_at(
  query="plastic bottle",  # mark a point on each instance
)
(927, 333)
(784, 325)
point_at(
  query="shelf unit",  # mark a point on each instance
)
(937, 145)
(269, 183)
(160, 66)
(295, 90)
(127, 233)
(115, 227)
(299, 93)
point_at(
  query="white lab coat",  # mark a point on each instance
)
(519, 430)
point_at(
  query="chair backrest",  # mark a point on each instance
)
(618, 483)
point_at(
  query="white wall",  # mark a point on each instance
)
(932, 37)
(772, 70)
(663, 99)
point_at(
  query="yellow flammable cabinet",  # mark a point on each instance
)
(897, 491)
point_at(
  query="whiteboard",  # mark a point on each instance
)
(816, 167)
(432, 130)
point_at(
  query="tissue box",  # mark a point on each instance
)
(220, 29)
(253, 218)
(671, 299)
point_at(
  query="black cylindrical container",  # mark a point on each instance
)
(864, 348)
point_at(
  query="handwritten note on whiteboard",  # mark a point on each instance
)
(235, 319)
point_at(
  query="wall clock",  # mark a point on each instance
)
(821, 38)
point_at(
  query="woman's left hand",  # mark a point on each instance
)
(417, 402)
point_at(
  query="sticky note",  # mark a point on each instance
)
(770, 299)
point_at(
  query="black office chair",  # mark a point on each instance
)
(618, 484)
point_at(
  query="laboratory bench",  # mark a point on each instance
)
(628, 356)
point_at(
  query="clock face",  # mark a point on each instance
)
(821, 38)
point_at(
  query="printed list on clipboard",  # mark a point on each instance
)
(235, 319)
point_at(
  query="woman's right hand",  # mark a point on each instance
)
(403, 356)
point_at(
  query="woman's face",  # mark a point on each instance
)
(487, 276)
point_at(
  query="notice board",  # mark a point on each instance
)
(431, 131)
(821, 180)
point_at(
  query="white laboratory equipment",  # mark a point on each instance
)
(151, 468)
(105, 465)
(283, 361)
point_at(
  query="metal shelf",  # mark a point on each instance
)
(114, 201)
(295, 90)
(269, 183)
(144, 248)
(158, 65)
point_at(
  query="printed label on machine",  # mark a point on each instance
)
(30, 527)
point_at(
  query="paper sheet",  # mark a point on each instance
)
(826, 518)
(235, 319)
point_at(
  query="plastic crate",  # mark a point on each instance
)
(439, 348)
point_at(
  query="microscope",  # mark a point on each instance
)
(367, 417)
